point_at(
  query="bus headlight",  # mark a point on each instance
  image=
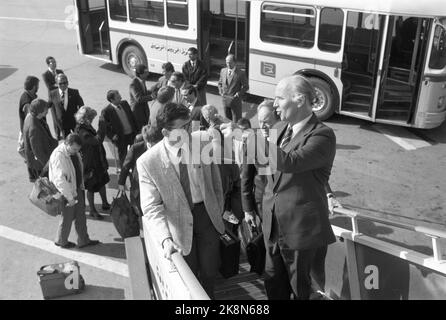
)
(441, 102)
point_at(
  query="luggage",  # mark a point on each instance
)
(229, 254)
(254, 246)
(46, 197)
(60, 279)
(124, 217)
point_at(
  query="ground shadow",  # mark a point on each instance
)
(347, 147)
(434, 136)
(6, 71)
(341, 194)
(112, 250)
(96, 293)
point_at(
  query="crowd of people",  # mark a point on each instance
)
(189, 205)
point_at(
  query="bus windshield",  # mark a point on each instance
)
(438, 54)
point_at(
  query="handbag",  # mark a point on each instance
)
(124, 217)
(229, 254)
(46, 197)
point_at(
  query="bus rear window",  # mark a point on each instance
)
(118, 10)
(147, 12)
(330, 29)
(288, 25)
(438, 54)
(177, 14)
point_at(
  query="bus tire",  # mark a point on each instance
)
(325, 106)
(131, 56)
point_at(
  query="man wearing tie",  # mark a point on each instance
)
(49, 76)
(190, 97)
(232, 86)
(139, 96)
(295, 209)
(177, 81)
(183, 202)
(196, 74)
(64, 103)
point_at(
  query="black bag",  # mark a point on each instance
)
(43, 197)
(255, 251)
(229, 254)
(123, 216)
(60, 279)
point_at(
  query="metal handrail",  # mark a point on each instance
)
(432, 233)
(196, 290)
(100, 36)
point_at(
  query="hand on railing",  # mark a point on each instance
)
(333, 203)
(169, 247)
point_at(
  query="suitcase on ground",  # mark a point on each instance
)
(60, 279)
(229, 254)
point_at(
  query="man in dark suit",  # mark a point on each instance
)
(196, 74)
(163, 81)
(120, 123)
(190, 96)
(49, 76)
(64, 103)
(139, 96)
(295, 210)
(38, 141)
(232, 86)
(165, 95)
(31, 87)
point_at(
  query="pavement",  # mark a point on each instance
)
(401, 178)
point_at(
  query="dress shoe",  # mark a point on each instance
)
(106, 207)
(96, 216)
(90, 243)
(68, 245)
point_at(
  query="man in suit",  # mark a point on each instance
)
(177, 81)
(120, 123)
(295, 210)
(38, 141)
(183, 201)
(49, 76)
(195, 73)
(232, 86)
(165, 95)
(163, 81)
(139, 96)
(64, 103)
(31, 87)
(190, 96)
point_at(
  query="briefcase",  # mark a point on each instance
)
(230, 254)
(255, 251)
(60, 279)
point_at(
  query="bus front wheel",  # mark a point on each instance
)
(131, 56)
(324, 106)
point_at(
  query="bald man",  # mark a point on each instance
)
(295, 210)
(64, 103)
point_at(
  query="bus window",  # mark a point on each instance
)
(438, 54)
(177, 14)
(288, 25)
(118, 10)
(330, 29)
(147, 12)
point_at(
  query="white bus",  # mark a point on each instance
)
(381, 61)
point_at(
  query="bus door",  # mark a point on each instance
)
(402, 68)
(93, 28)
(363, 36)
(224, 31)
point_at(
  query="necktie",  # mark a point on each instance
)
(62, 99)
(144, 87)
(287, 137)
(184, 180)
(229, 72)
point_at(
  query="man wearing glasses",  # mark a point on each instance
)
(64, 102)
(183, 201)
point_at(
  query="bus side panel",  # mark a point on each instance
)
(155, 49)
(115, 39)
(428, 113)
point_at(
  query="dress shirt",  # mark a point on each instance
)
(195, 174)
(298, 126)
(65, 100)
(124, 119)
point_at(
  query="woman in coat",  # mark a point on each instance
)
(94, 159)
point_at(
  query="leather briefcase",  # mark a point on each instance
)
(230, 254)
(255, 251)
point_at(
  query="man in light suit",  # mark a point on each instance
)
(295, 209)
(64, 103)
(232, 86)
(183, 202)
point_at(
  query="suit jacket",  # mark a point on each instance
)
(196, 75)
(252, 187)
(229, 86)
(162, 82)
(25, 100)
(112, 125)
(164, 202)
(138, 103)
(134, 152)
(38, 142)
(296, 194)
(65, 118)
(230, 176)
(50, 79)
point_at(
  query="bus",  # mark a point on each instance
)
(381, 61)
